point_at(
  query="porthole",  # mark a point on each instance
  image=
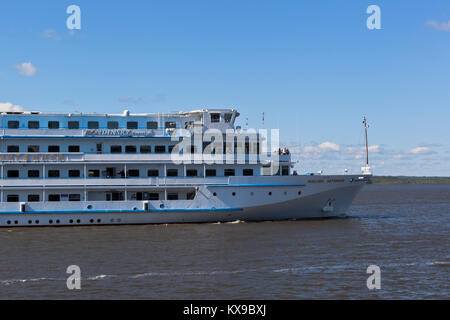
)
(9, 222)
(299, 193)
(285, 193)
(92, 220)
(30, 222)
(89, 206)
(252, 193)
(112, 220)
(71, 220)
(270, 193)
(57, 221)
(134, 208)
(99, 220)
(37, 221)
(50, 221)
(78, 221)
(214, 194)
(234, 193)
(161, 206)
(16, 222)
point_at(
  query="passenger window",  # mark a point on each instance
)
(53, 124)
(73, 125)
(13, 124)
(92, 124)
(33, 124)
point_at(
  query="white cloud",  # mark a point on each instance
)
(421, 150)
(9, 107)
(323, 147)
(440, 26)
(26, 69)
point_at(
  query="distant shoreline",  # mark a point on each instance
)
(409, 180)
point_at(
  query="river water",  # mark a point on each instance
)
(403, 229)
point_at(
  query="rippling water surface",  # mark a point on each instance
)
(404, 229)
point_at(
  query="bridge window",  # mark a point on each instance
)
(172, 172)
(132, 125)
(191, 173)
(54, 197)
(153, 173)
(190, 196)
(229, 172)
(33, 198)
(13, 173)
(74, 173)
(171, 124)
(130, 149)
(12, 198)
(146, 149)
(53, 173)
(160, 149)
(210, 172)
(13, 149)
(228, 117)
(153, 196)
(74, 149)
(53, 148)
(73, 124)
(215, 117)
(113, 125)
(53, 124)
(152, 125)
(33, 124)
(13, 124)
(247, 172)
(92, 124)
(33, 148)
(33, 173)
(285, 170)
(116, 149)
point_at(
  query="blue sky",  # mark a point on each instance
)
(312, 67)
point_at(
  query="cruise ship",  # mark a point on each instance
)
(78, 169)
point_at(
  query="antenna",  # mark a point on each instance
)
(263, 120)
(246, 123)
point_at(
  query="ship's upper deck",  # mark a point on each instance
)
(30, 123)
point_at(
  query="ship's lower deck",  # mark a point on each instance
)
(240, 198)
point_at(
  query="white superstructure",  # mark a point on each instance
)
(100, 169)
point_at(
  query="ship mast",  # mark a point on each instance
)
(366, 169)
(367, 145)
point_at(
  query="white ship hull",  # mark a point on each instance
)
(264, 199)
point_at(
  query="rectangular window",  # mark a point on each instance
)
(54, 197)
(13, 124)
(92, 124)
(153, 172)
(228, 117)
(116, 149)
(284, 170)
(13, 173)
(53, 124)
(74, 149)
(153, 196)
(133, 173)
(33, 173)
(170, 148)
(12, 198)
(13, 149)
(172, 196)
(171, 124)
(113, 125)
(33, 148)
(215, 117)
(73, 125)
(210, 172)
(53, 148)
(53, 173)
(247, 172)
(191, 173)
(132, 125)
(130, 149)
(33, 124)
(152, 125)
(228, 172)
(74, 173)
(33, 198)
(93, 173)
(146, 149)
(74, 197)
(160, 149)
(190, 196)
(172, 172)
